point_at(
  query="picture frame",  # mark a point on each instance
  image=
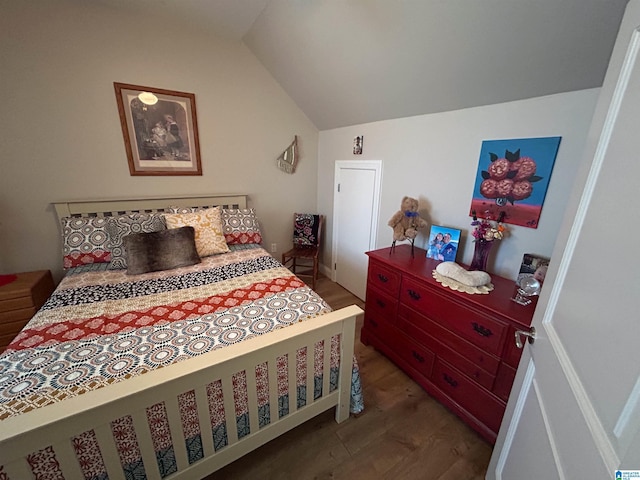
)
(358, 143)
(513, 177)
(533, 265)
(443, 243)
(160, 130)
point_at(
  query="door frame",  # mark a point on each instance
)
(376, 166)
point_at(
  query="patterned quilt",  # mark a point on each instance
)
(102, 326)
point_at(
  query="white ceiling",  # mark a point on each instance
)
(347, 62)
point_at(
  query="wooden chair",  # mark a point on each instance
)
(307, 235)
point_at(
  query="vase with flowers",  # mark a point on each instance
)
(486, 232)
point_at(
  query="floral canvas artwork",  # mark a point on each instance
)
(512, 179)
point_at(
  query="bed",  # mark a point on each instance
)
(169, 373)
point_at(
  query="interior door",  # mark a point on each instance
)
(356, 206)
(574, 412)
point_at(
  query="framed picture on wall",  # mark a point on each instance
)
(512, 179)
(160, 130)
(443, 243)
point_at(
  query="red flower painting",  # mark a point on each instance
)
(513, 177)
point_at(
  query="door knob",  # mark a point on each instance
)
(531, 336)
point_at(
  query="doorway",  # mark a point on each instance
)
(356, 207)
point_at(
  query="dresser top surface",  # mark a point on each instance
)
(421, 268)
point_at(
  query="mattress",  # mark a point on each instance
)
(103, 326)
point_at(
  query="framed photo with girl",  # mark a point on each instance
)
(533, 265)
(160, 130)
(443, 243)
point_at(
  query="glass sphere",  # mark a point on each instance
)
(529, 286)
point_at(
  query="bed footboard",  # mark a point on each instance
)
(188, 420)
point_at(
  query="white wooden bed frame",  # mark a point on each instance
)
(56, 424)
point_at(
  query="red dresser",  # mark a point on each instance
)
(459, 347)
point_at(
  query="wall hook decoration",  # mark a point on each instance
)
(288, 159)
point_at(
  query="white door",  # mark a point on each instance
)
(574, 412)
(355, 213)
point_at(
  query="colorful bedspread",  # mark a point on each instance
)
(102, 326)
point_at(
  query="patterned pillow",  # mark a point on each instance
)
(208, 226)
(240, 226)
(120, 227)
(305, 229)
(84, 241)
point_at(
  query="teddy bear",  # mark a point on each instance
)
(406, 221)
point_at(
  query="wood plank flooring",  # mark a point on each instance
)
(403, 434)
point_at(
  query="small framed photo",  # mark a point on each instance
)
(443, 243)
(358, 144)
(160, 130)
(533, 266)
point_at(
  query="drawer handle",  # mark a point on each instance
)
(480, 330)
(374, 323)
(413, 294)
(450, 380)
(382, 278)
(417, 356)
(380, 303)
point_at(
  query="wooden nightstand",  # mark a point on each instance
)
(20, 300)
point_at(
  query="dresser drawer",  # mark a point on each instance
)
(20, 300)
(504, 381)
(8, 332)
(431, 329)
(472, 325)
(383, 278)
(16, 315)
(417, 357)
(512, 353)
(5, 340)
(16, 304)
(377, 326)
(466, 366)
(13, 327)
(474, 399)
(383, 337)
(381, 305)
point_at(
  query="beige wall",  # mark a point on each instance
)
(434, 158)
(61, 137)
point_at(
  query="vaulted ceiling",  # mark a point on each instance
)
(347, 62)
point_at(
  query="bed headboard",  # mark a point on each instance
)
(114, 207)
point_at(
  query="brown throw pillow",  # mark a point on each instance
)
(163, 250)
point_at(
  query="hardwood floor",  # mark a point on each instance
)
(403, 434)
